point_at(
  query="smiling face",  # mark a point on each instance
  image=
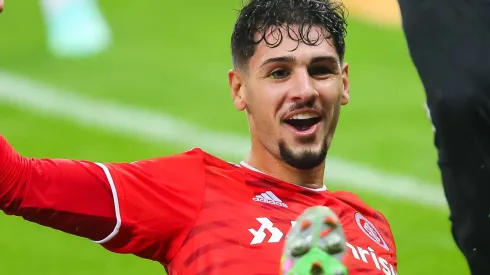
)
(292, 94)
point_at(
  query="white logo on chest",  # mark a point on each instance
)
(270, 198)
(259, 235)
(370, 230)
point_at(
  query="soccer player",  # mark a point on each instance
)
(449, 41)
(198, 214)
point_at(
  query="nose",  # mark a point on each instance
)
(302, 88)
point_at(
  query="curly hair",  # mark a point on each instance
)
(296, 17)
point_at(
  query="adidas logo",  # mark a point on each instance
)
(270, 198)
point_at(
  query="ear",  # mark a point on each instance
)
(237, 87)
(346, 84)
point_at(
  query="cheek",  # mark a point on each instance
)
(331, 98)
(262, 125)
(261, 109)
(331, 94)
(263, 101)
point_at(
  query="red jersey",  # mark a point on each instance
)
(193, 212)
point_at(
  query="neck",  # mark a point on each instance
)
(267, 163)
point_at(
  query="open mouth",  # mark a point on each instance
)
(302, 124)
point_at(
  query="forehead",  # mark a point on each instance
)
(290, 44)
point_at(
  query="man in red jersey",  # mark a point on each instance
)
(198, 214)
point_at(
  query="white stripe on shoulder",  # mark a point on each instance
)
(116, 205)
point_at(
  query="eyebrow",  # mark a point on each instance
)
(292, 59)
(325, 58)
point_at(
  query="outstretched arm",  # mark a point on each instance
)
(67, 195)
(145, 208)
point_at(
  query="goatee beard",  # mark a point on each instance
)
(304, 160)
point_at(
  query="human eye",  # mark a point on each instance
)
(320, 71)
(279, 74)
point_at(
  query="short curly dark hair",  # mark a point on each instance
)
(258, 16)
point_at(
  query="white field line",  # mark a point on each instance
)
(156, 127)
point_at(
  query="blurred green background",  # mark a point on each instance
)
(171, 57)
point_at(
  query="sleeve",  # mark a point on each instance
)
(158, 203)
(389, 232)
(72, 196)
(144, 208)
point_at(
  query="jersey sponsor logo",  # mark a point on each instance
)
(259, 235)
(367, 256)
(270, 198)
(370, 230)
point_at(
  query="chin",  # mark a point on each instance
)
(303, 157)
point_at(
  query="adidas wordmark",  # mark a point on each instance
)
(270, 198)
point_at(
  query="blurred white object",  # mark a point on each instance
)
(75, 28)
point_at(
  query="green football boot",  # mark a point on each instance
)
(315, 245)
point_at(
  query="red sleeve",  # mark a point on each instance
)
(158, 201)
(66, 195)
(392, 239)
(144, 208)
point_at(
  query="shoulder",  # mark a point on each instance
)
(353, 200)
(188, 159)
(360, 206)
(188, 164)
(185, 164)
(368, 217)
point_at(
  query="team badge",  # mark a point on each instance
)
(370, 230)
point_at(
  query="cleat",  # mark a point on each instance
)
(315, 245)
(300, 248)
(317, 264)
(325, 233)
(316, 268)
(305, 224)
(332, 221)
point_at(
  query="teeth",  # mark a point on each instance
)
(306, 115)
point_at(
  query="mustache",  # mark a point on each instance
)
(302, 105)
